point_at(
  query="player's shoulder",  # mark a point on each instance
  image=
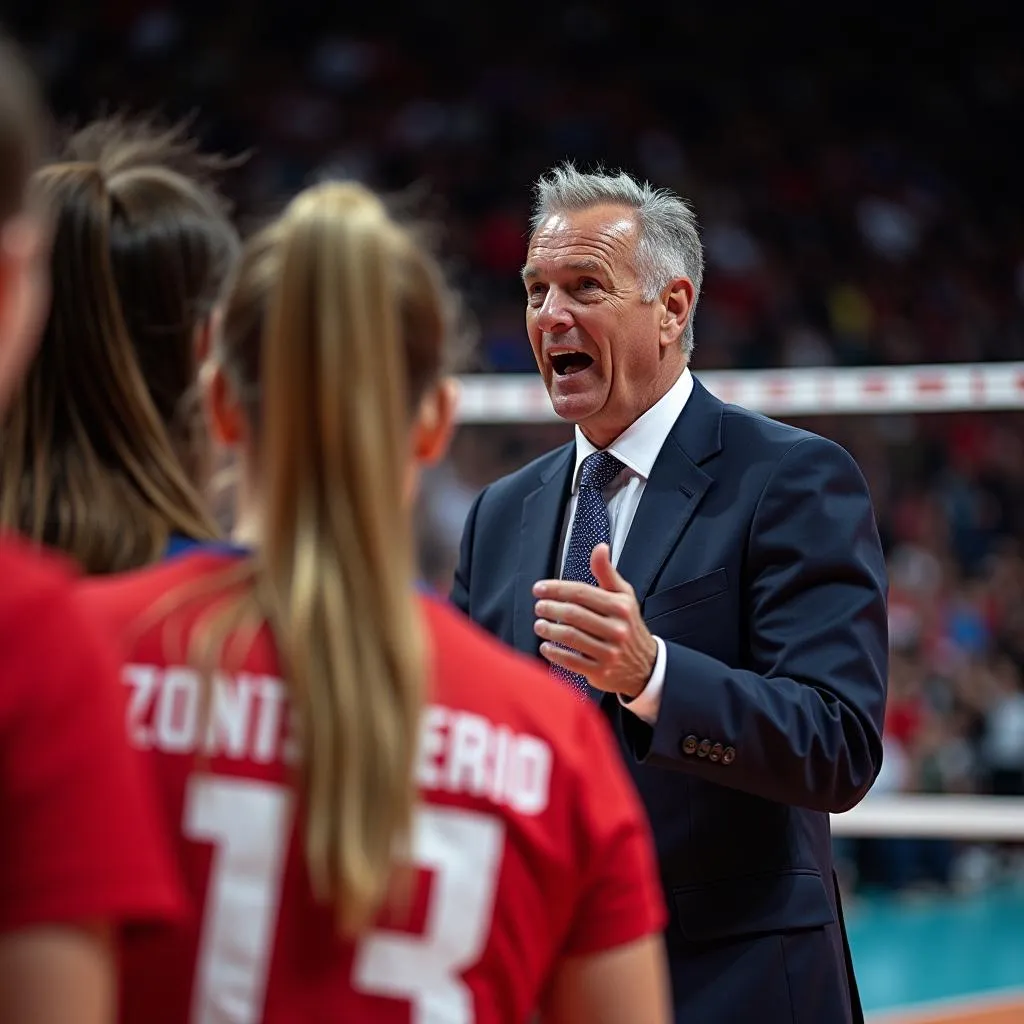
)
(120, 597)
(32, 579)
(46, 638)
(475, 673)
(33, 568)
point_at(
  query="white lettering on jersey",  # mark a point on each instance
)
(529, 775)
(176, 711)
(498, 763)
(468, 751)
(227, 731)
(432, 741)
(243, 714)
(143, 679)
(465, 753)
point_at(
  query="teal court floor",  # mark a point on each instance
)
(942, 958)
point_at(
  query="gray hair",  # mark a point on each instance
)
(668, 245)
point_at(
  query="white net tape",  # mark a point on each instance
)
(956, 387)
(966, 818)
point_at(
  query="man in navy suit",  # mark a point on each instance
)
(715, 579)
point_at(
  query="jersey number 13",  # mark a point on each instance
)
(248, 822)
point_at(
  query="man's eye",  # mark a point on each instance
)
(588, 283)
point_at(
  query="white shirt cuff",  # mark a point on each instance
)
(647, 703)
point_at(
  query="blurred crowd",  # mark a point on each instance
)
(855, 187)
(949, 493)
(859, 204)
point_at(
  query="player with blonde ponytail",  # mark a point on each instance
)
(376, 819)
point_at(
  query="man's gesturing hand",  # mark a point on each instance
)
(602, 626)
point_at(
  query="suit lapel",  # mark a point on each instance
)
(673, 491)
(539, 534)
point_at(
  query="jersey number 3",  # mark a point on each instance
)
(248, 823)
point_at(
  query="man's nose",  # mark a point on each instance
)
(554, 317)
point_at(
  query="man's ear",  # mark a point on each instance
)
(223, 411)
(678, 300)
(24, 296)
(435, 422)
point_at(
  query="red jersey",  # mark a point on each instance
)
(79, 839)
(530, 842)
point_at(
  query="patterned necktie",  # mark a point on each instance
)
(590, 527)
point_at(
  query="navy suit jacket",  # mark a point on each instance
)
(755, 556)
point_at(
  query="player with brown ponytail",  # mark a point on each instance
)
(81, 853)
(101, 456)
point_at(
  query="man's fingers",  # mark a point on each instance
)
(604, 602)
(603, 627)
(605, 573)
(572, 661)
(570, 636)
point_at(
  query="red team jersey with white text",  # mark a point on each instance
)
(529, 840)
(80, 840)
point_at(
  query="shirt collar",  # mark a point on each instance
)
(637, 447)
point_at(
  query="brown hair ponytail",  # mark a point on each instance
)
(93, 457)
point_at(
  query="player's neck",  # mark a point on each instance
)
(247, 530)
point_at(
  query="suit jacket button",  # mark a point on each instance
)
(689, 745)
(728, 755)
(704, 748)
(716, 753)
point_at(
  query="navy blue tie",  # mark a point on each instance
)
(590, 527)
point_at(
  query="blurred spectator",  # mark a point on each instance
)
(1003, 731)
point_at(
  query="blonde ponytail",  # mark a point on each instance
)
(350, 317)
(337, 547)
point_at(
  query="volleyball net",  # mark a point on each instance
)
(828, 391)
(938, 816)
(961, 387)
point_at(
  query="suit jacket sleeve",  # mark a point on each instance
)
(805, 718)
(460, 585)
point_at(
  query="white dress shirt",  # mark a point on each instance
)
(637, 448)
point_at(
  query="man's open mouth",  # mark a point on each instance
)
(565, 364)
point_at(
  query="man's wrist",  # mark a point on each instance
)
(652, 661)
(647, 703)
